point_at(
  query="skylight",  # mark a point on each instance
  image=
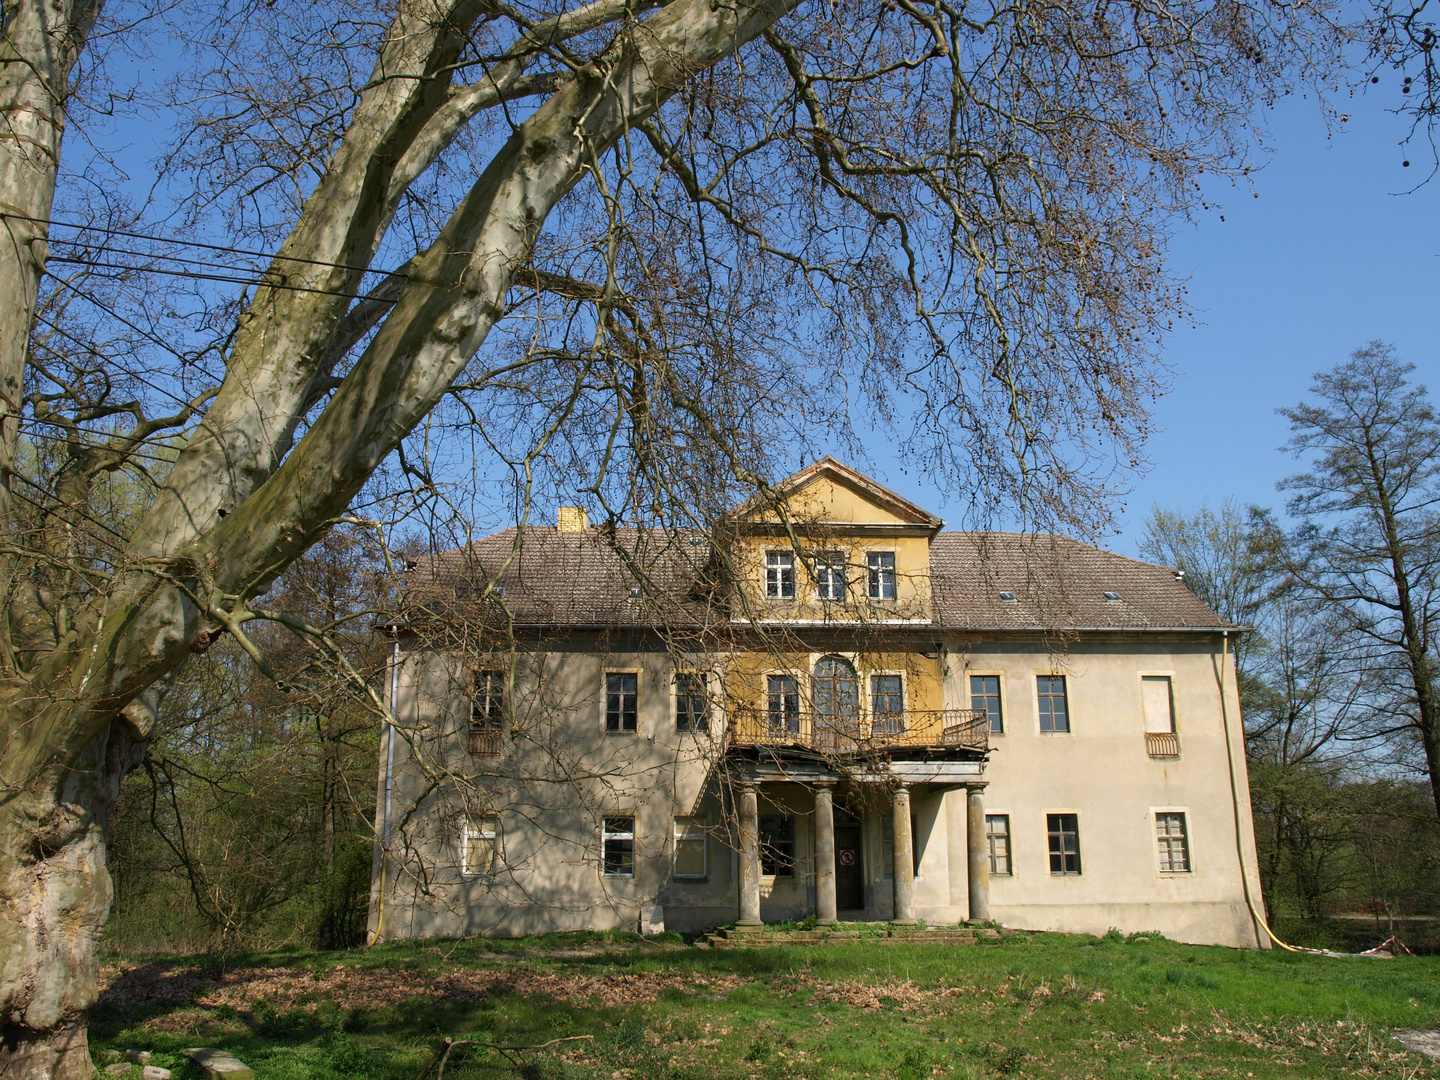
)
(1007, 596)
(1112, 596)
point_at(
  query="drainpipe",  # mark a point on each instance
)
(394, 630)
(1235, 794)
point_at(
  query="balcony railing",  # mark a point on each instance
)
(916, 729)
(1162, 744)
(484, 742)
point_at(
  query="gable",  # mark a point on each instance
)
(831, 493)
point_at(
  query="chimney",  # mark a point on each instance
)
(572, 519)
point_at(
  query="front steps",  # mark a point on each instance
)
(878, 933)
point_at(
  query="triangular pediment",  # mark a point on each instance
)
(830, 494)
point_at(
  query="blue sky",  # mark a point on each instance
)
(1331, 255)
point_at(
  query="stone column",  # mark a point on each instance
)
(749, 856)
(825, 909)
(979, 855)
(904, 859)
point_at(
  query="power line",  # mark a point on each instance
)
(56, 222)
(255, 279)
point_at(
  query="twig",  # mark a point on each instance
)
(442, 1052)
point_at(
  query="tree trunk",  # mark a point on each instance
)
(54, 898)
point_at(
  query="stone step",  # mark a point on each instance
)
(732, 937)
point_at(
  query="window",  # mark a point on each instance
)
(1054, 715)
(882, 575)
(487, 712)
(692, 702)
(487, 702)
(887, 704)
(830, 576)
(997, 839)
(622, 700)
(782, 702)
(1174, 844)
(619, 846)
(985, 694)
(690, 847)
(780, 575)
(777, 846)
(477, 856)
(1159, 710)
(1064, 830)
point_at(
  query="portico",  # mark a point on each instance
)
(880, 793)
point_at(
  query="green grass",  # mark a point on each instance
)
(1030, 1006)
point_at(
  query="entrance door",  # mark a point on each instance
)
(849, 871)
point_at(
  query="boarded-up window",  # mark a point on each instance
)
(690, 847)
(480, 846)
(1159, 712)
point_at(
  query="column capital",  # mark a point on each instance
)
(824, 785)
(746, 783)
(976, 789)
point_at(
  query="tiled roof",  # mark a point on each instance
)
(656, 578)
(1058, 583)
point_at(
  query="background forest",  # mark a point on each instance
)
(250, 824)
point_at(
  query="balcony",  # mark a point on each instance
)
(1162, 744)
(485, 741)
(918, 729)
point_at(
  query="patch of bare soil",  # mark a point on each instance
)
(133, 985)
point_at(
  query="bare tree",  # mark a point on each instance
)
(1368, 548)
(796, 221)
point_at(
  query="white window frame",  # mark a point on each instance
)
(605, 674)
(633, 835)
(1004, 699)
(776, 562)
(475, 829)
(696, 821)
(830, 567)
(894, 571)
(1184, 812)
(799, 678)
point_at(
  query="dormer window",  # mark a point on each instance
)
(780, 575)
(881, 565)
(830, 576)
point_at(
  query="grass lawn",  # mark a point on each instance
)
(1033, 1005)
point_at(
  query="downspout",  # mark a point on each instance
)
(1218, 663)
(389, 779)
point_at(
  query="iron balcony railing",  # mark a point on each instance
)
(1162, 744)
(915, 729)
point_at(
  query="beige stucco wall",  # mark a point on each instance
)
(561, 773)
(1100, 770)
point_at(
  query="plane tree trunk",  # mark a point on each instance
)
(74, 722)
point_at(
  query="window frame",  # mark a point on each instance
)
(494, 717)
(619, 836)
(679, 838)
(779, 572)
(783, 870)
(875, 714)
(473, 828)
(999, 677)
(605, 675)
(698, 725)
(1064, 697)
(990, 838)
(1186, 848)
(874, 575)
(770, 726)
(832, 578)
(1051, 832)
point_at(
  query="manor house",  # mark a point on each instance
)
(829, 706)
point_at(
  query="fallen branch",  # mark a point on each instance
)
(509, 1053)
